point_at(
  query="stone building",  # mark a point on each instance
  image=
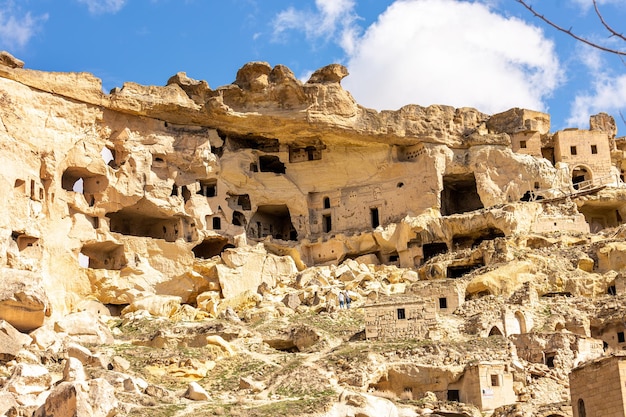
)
(598, 388)
(557, 350)
(447, 294)
(487, 385)
(586, 152)
(400, 317)
(524, 127)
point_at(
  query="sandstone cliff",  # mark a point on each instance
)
(260, 200)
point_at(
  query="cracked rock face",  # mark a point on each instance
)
(261, 200)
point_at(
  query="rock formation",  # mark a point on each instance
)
(221, 224)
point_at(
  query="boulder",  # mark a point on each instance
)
(28, 379)
(196, 393)
(73, 370)
(84, 327)
(93, 398)
(10, 61)
(11, 341)
(23, 300)
(156, 305)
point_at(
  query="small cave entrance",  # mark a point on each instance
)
(271, 163)
(474, 239)
(82, 181)
(459, 194)
(495, 331)
(283, 345)
(131, 221)
(239, 202)
(274, 221)
(105, 255)
(207, 188)
(580, 174)
(24, 241)
(431, 250)
(457, 271)
(476, 294)
(211, 247)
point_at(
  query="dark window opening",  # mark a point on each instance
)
(431, 250)
(550, 360)
(401, 314)
(270, 163)
(572, 150)
(254, 167)
(605, 346)
(522, 144)
(594, 149)
(374, 217)
(458, 271)
(400, 185)
(443, 302)
(459, 194)
(394, 258)
(244, 201)
(217, 223)
(208, 188)
(186, 193)
(239, 219)
(174, 192)
(250, 141)
(326, 202)
(581, 408)
(495, 331)
(453, 395)
(548, 153)
(211, 247)
(495, 380)
(620, 337)
(611, 290)
(327, 223)
(158, 159)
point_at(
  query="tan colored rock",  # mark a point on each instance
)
(156, 305)
(219, 341)
(73, 370)
(11, 341)
(84, 327)
(195, 392)
(23, 300)
(29, 379)
(94, 398)
(10, 61)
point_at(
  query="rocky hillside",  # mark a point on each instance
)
(181, 251)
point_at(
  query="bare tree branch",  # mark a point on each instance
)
(606, 25)
(577, 37)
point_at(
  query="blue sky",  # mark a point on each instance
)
(488, 54)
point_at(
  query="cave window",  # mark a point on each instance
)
(326, 202)
(572, 150)
(401, 314)
(327, 223)
(620, 337)
(495, 380)
(313, 154)
(522, 144)
(238, 218)
(443, 303)
(536, 185)
(453, 395)
(550, 360)
(611, 290)
(207, 188)
(20, 184)
(430, 250)
(271, 163)
(495, 331)
(374, 217)
(594, 149)
(400, 185)
(217, 223)
(243, 201)
(581, 408)
(459, 194)
(174, 192)
(186, 193)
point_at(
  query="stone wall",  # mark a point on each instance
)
(399, 317)
(596, 388)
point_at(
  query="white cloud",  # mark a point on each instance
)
(452, 52)
(103, 6)
(331, 18)
(17, 28)
(606, 94)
